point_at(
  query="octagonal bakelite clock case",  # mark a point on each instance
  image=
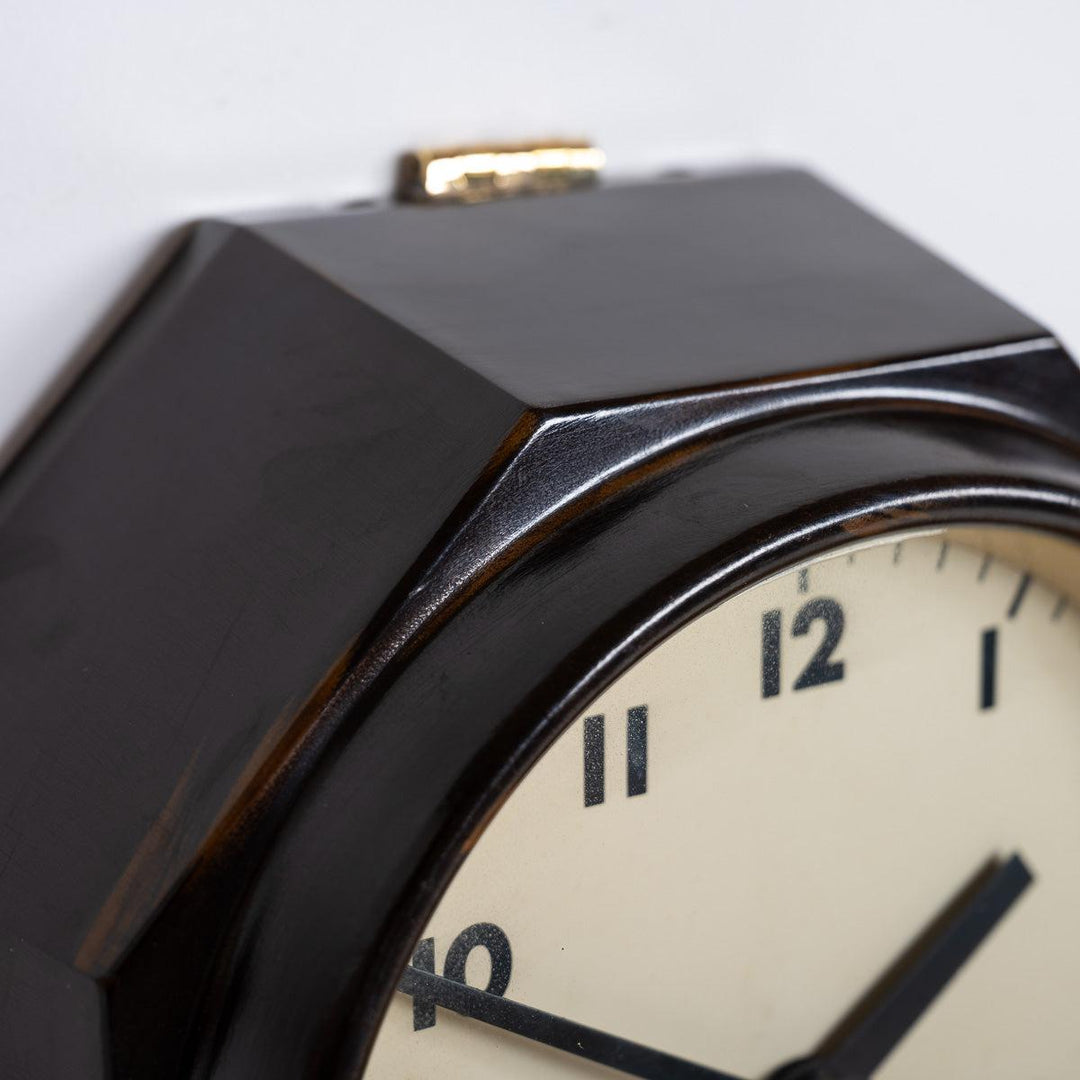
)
(357, 513)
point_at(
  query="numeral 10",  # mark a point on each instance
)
(480, 935)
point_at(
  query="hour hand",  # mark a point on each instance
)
(627, 1057)
(897, 1002)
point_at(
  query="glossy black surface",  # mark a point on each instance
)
(288, 593)
(648, 288)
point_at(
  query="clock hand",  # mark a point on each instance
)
(622, 1054)
(894, 1005)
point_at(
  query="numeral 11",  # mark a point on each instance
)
(637, 755)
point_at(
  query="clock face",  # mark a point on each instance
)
(838, 814)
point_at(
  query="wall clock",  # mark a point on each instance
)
(631, 632)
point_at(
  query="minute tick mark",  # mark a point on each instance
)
(1018, 598)
(943, 555)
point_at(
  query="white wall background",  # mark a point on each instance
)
(120, 119)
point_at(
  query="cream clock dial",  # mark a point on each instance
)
(835, 821)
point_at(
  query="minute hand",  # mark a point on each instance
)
(622, 1054)
(856, 1053)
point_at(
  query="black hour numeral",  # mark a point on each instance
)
(822, 668)
(770, 654)
(988, 681)
(637, 750)
(594, 760)
(479, 935)
(637, 755)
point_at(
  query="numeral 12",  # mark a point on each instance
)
(822, 668)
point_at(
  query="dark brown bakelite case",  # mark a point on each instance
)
(357, 510)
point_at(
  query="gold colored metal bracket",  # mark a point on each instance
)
(483, 173)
